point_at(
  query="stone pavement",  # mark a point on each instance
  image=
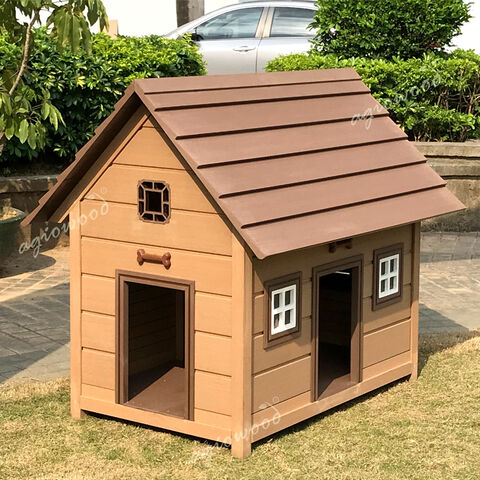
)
(34, 306)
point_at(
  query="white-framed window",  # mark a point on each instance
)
(283, 309)
(388, 275)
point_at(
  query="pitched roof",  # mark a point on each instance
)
(294, 159)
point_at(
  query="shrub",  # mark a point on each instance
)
(380, 28)
(86, 87)
(433, 98)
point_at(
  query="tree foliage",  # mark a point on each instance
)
(387, 28)
(433, 98)
(23, 109)
(85, 87)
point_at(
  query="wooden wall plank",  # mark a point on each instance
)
(271, 414)
(282, 383)
(193, 231)
(213, 314)
(374, 319)
(213, 353)
(119, 183)
(264, 359)
(213, 393)
(98, 331)
(242, 309)
(99, 393)
(75, 315)
(148, 149)
(386, 343)
(415, 295)
(214, 419)
(98, 368)
(98, 294)
(212, 273)
(386, 365)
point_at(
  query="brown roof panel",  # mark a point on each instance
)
(196, 122)
(301, 232)
(285, 155)
(239, 147)
(210, 98)
(297, 169)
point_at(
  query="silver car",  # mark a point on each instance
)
(243, 38)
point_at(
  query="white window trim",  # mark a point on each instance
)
(388, 275)
(282, 308)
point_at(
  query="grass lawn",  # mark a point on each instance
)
(428, 429)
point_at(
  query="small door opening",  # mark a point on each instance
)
(337, 330)
(153, 363)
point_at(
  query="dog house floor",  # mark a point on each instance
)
(334, 370)
(165, 394)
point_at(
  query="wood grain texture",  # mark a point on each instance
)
(212, 273)
(298, 414)
(154, 419)
(75, 316)
(415, 298)
(121, 222)
(386, 365)
(148, 149)
(98, 393)
(281, 383)
(98, 331)
(264, 359)
(98, 294)
(119, 183)
(213, 314)
(386, 343)
(213, 393)
(213, 353)
(242, 303)
(213, 419)
(98, 369)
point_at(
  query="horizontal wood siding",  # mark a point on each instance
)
(386, 331)
(200, 244)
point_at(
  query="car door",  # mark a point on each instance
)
(287, 31)
(229, 42)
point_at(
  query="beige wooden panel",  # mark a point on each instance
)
(304, 260)
(148, 149)
(281, 383)
(213, 393)
(98, 368)
(387, 365)
(213, 314)
(386, 343)
(99, 393)
(271, 415)
(98, 294)
(285, 352)
(211, 418)
(213, 353)
(119, 183)
(259, 307)
(374, 319)
(98, 331)
(202, 232)
(368, 275)
(211, 273)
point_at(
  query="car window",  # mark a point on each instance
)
(292, 22)
(235, 24)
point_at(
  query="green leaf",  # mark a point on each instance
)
(45, 110)
(22, 133)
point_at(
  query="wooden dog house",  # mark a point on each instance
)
(244, 252)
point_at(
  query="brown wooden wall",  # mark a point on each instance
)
(283, 373)
(201, 247)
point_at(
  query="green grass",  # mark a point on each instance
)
(428, 429)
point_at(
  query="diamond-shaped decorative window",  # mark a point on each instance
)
(153, 201)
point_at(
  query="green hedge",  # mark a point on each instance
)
(434, 98)
(85, 87)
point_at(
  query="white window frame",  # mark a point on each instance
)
(390, 273)
(282, 309)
